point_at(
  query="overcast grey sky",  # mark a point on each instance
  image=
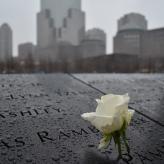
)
(21, 15)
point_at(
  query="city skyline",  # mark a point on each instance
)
(23, 20)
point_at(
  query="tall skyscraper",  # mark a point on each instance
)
(5, 42)
(62, 21)
(46, 33)
(59, 23)
(59, 9)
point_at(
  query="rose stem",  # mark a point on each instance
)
(119, 148)
(125, 142)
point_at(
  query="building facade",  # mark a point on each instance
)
(91, 48)
(46, 33)
(59, 24)
(134, 38)
(153, 43)
(133, 21)
(59, 9)
(73, 28)
(149, 43)
(128, 42)
(65, 18)
(94, 43)
(26, 51)
(6, 47)
(96, 34)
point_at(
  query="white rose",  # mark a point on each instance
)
(111, 113)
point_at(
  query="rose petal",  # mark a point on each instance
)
(122, 110)
(107, 97)
(98, 121)
(108, 103)
(111, 112)
(88, 116)
(129, 115)
(98, 101)
(116, 125)
(107, 108)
